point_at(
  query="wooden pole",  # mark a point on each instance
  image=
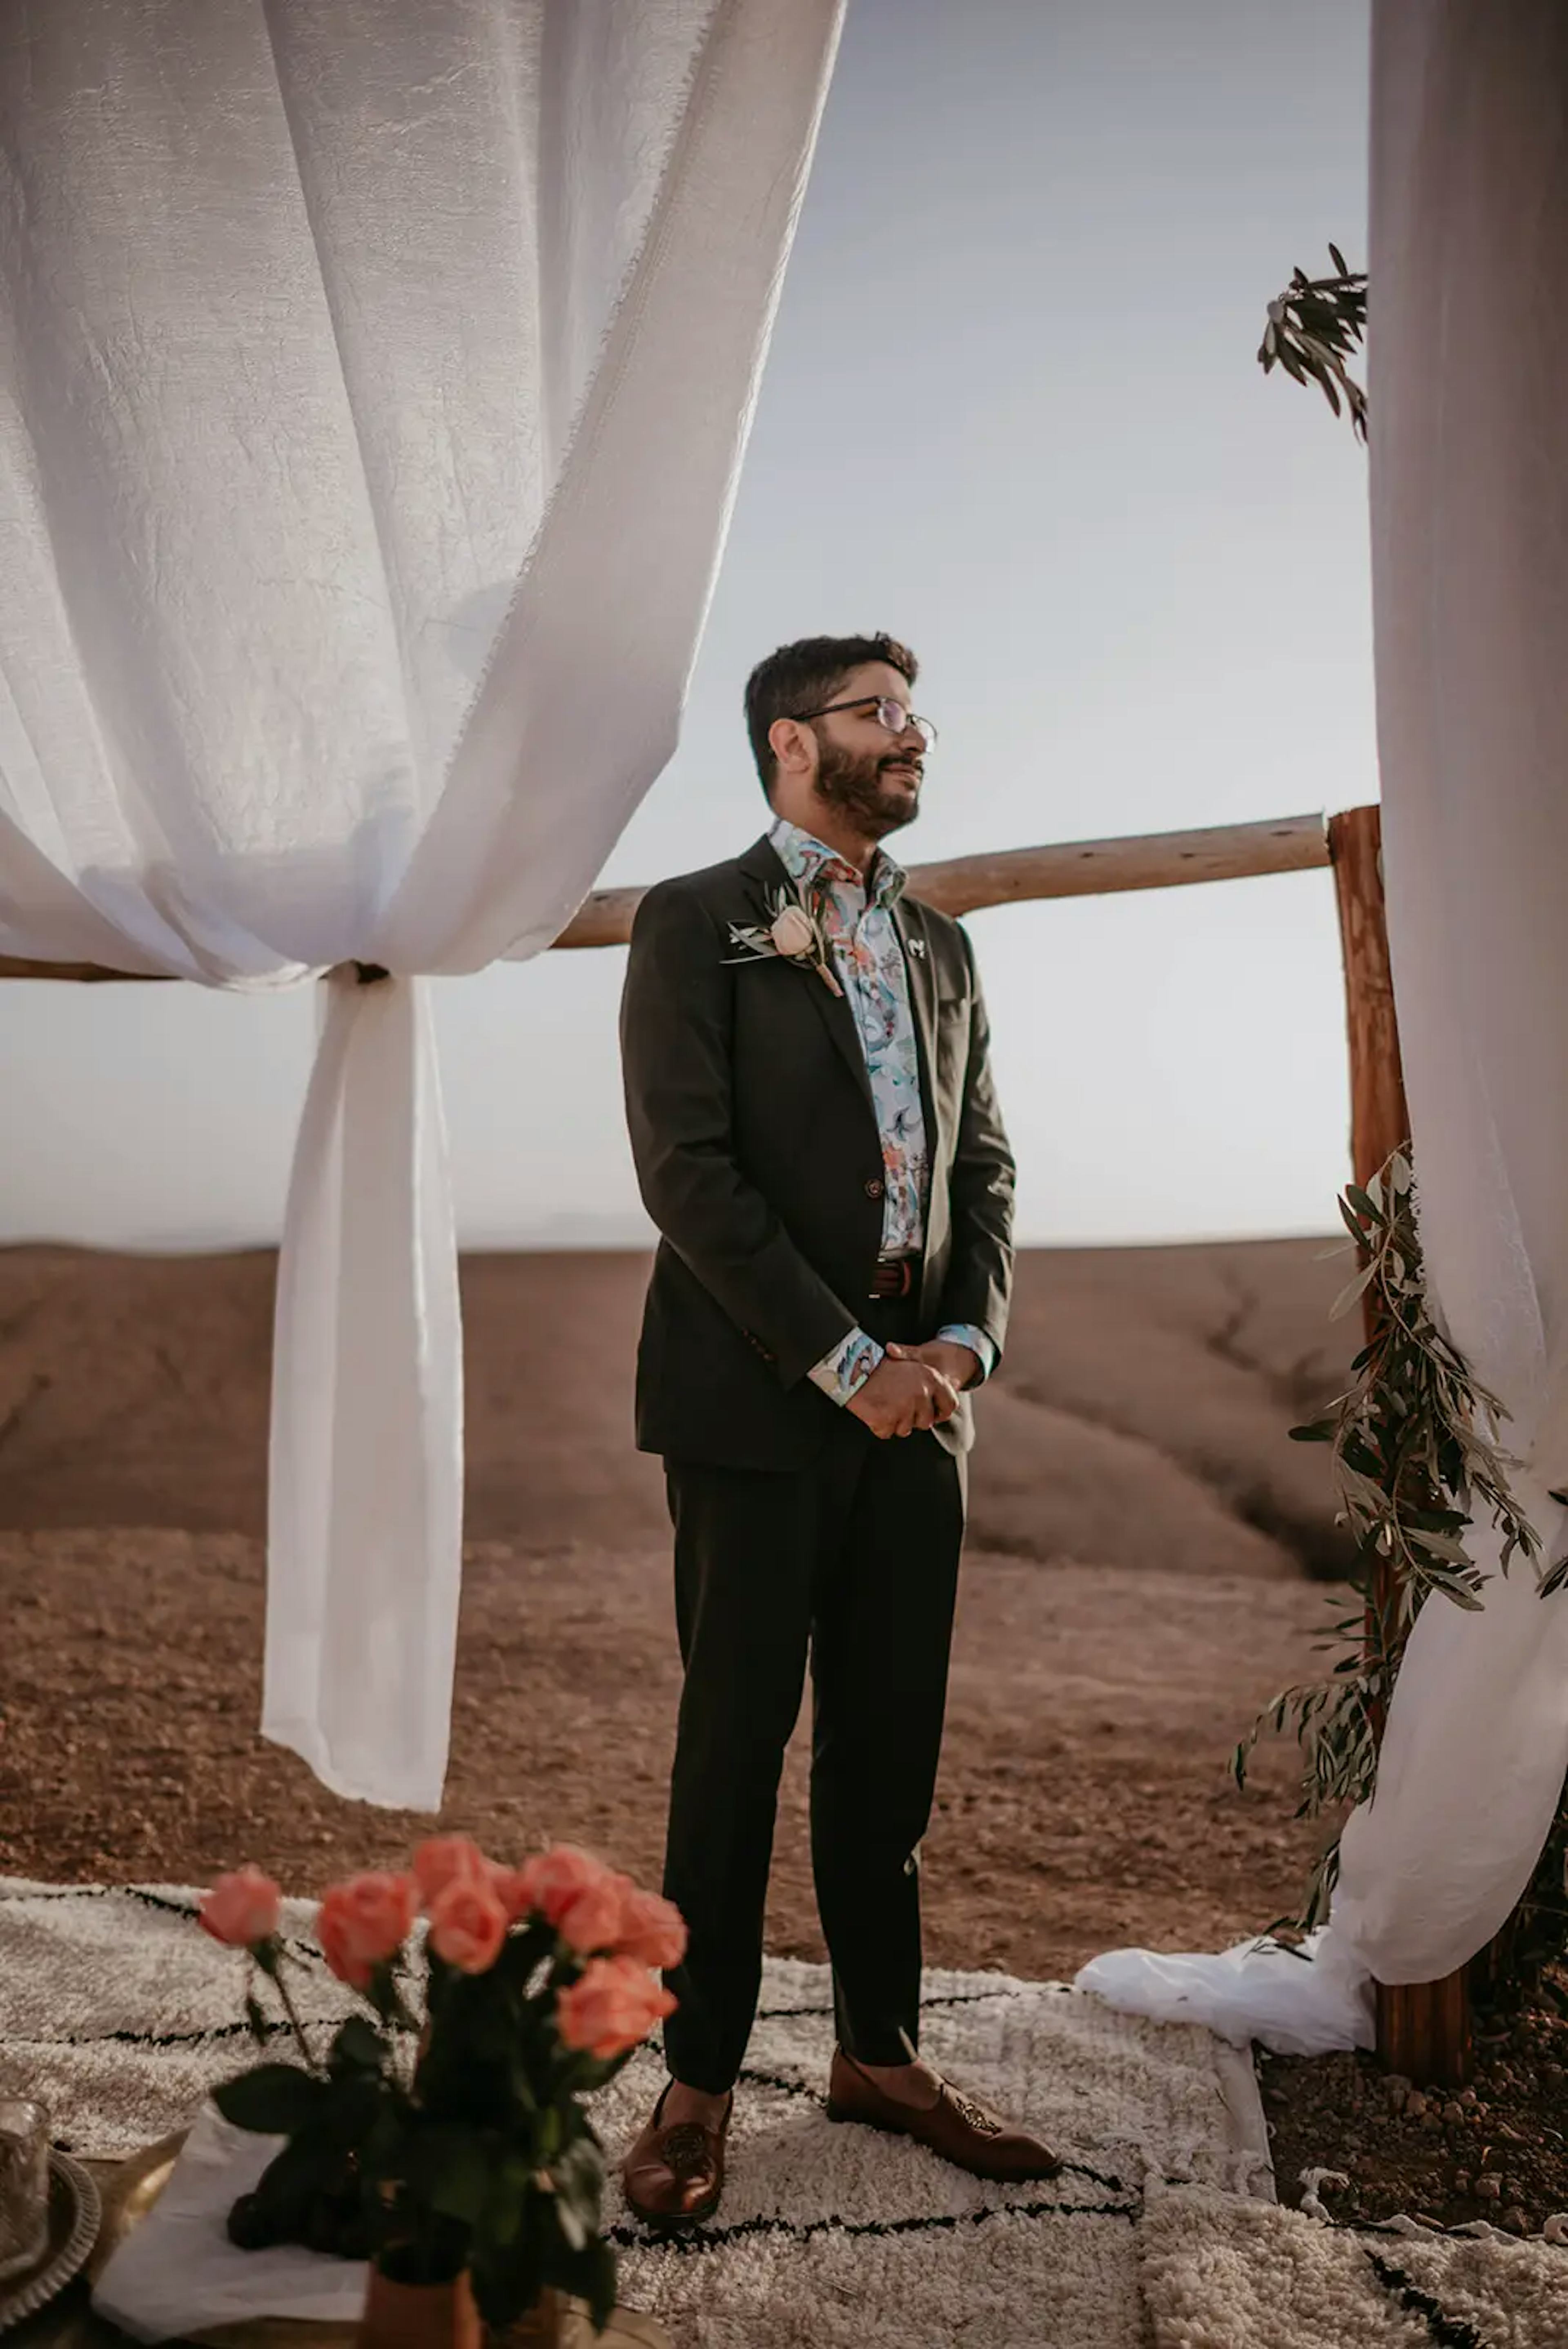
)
(1423, 2028)
(961, 885)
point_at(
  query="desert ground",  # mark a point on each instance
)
(1147, 1565)
(1150, 1559)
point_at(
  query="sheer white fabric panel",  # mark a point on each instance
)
(1468, 351)
(1470, 521)
(375, 380)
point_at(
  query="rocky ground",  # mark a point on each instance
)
(1497, 2150)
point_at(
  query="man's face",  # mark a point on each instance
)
(869, 774)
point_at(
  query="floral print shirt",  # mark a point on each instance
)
(857, 917)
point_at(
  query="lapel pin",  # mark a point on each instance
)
(918, 947)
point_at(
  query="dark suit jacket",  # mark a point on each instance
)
(759, 1159)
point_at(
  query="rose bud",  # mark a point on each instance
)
(242, 1909)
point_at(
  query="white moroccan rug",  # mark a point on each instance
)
(1218, 2273)
(118, 2011)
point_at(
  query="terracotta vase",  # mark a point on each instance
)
(444, 2316)
(418, 2315)
(545, 2327)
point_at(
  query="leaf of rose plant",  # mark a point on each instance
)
(272, 2100)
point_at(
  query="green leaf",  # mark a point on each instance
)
(272, 2100)
(579, 2178)
(504, 2290)
(589, 2275)
(1445, 1545)
(1461, 1593)
(449, 2169)
(348, 2110)
(506, 2209)
(358, 2046)
(597, 2284)
(1353, 1290)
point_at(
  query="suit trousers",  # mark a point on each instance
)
(851, 1561)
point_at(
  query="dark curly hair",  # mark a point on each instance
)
(803, 675)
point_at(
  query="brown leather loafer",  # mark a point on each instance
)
(955, 2127)
(674, 2175)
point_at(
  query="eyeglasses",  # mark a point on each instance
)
(891, 714)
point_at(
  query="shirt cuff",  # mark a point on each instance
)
(845, 1372)
(964, 1333)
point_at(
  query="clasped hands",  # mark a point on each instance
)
(914, 1387)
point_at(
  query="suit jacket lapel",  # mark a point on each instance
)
(911, 932)
(763, 869)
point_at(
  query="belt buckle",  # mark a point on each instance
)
(903, 1266)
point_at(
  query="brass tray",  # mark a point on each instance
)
(73, 2224)
(134, 2188)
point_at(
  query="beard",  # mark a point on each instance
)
(857, 785)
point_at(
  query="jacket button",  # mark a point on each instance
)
(873, 1189)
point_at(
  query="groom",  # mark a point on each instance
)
(817, 1139)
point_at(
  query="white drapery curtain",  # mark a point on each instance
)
(373, 383)
(1468, 360)
(1469, 552)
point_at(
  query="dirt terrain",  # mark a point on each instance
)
(1139, 1419)
(1150, 1559)
(1138, 1585)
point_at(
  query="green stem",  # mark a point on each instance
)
(291, 2010)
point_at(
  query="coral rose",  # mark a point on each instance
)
(514, 1887)
(468, 1924)
(442, 1860)
(652, 1931)
(612, 2009)
(591, 1919)
(242, 1909)
(363, 1922)
(555, 1880)
(792, 932)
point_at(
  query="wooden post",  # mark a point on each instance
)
(1423, 2028)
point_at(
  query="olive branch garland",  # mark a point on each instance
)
(1417, 1455)
(1313, 328)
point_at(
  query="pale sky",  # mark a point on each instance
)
(1012, 415)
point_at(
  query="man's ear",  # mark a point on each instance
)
(790, 744)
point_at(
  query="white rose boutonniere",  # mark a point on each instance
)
(792, 934)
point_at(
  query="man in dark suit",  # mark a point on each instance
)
(817, 1139)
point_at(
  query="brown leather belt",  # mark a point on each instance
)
(894, 1276)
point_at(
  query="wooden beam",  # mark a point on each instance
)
(88, 974)
(1078, 868)
(1075, 868)
(1423, 2028)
